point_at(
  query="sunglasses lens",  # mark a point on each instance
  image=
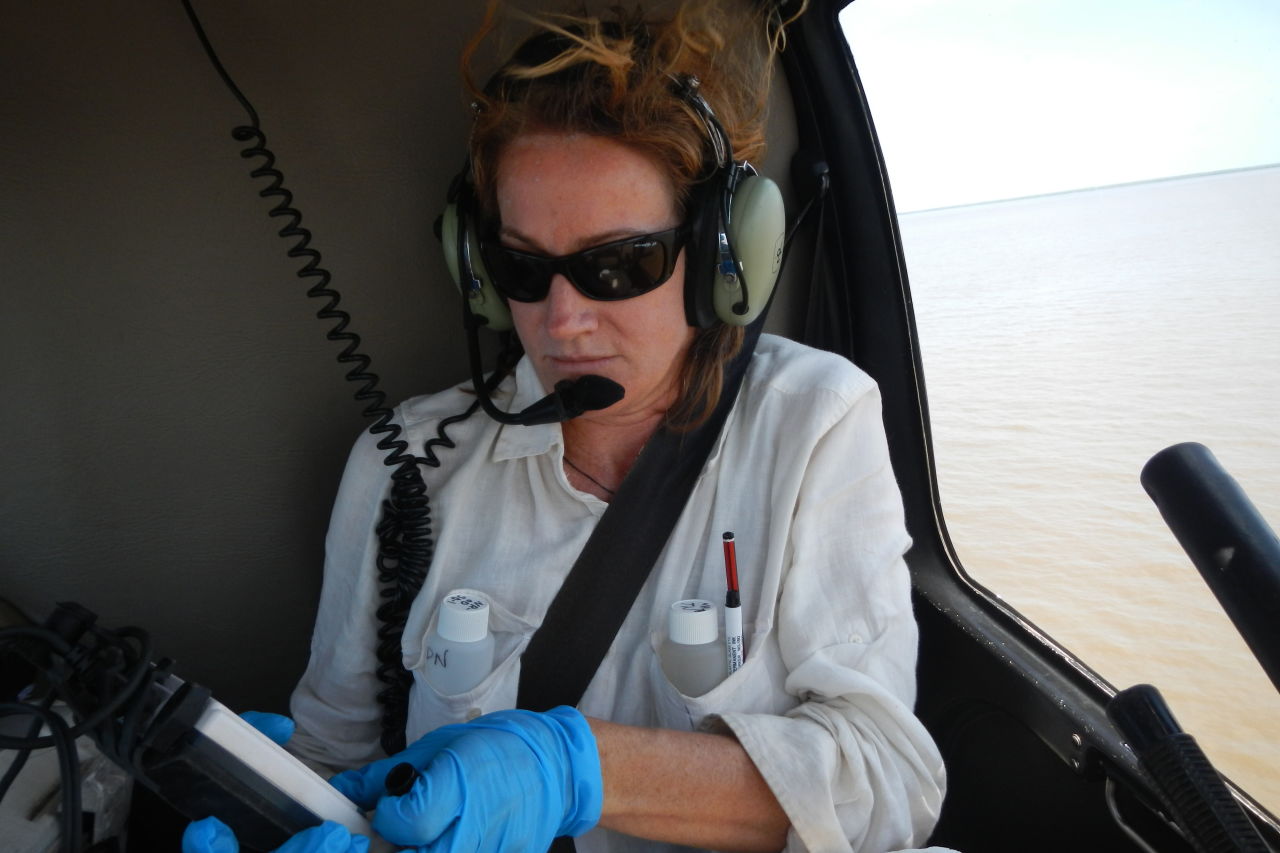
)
(524, 278)
(614, 271)
(621, 270)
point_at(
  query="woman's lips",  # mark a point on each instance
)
(578, 364)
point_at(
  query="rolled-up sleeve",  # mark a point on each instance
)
(851, 765)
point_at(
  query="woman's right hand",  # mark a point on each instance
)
(213, 836)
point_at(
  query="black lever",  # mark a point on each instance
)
(1194, 794)
(1227, 539)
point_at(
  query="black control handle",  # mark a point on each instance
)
(1227, 539)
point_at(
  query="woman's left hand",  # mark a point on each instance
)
(511, 780)
(213, 836)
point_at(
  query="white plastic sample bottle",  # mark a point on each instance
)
(460, 650)
(693, 657)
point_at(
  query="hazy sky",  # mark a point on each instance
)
(981, 99)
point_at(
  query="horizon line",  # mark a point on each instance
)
(1091, 188)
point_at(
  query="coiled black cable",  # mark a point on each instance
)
(404, 532)
(405, 551)
(293, 230)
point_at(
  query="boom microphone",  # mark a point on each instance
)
(571, 398)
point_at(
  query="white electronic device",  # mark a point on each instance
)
(205, 759)
(276, 768)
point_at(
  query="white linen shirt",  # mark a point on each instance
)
(800, 474)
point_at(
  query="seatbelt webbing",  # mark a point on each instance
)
(596, 596)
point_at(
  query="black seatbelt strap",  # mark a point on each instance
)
(588, 611)
(596, 596)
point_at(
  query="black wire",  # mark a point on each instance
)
(130, 736)
(36, 632)
(69, 761)
(96, 674)
(404, 532)
(76, 659)
(20, 760)
(68, 769)
(293, 229)
(405, 552)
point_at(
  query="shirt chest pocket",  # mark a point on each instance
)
(433, 702)
(756, 687)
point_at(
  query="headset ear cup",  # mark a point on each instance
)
(757, 229)
(485, 303)
(449, 242)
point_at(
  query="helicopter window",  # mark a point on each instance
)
(1087, 198)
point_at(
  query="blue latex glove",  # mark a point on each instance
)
(507, 781)
(213, 836)
(275, 726)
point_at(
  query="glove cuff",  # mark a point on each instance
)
(585, 778)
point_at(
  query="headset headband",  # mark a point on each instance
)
(686, 86)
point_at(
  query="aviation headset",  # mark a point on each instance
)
(736, 231)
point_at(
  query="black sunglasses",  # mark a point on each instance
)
(611, 271)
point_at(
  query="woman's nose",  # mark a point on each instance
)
(569, 313)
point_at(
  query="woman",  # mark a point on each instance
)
(811, 744)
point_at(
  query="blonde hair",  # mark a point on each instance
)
(615, 76)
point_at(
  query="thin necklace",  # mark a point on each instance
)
(569, 462)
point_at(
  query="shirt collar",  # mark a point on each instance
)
(515, 441)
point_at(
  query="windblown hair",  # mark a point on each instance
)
(614, 76)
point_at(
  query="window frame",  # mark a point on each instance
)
(975, 647)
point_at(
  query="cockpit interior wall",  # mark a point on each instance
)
(175, 421)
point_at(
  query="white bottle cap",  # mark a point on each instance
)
(694, 622)
(463, 617)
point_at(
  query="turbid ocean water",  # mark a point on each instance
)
(1066, 339)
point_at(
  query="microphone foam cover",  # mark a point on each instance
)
(588, 393)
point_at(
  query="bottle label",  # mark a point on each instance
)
(466, 602)
(694, 605)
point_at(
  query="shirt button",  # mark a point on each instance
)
(472, 713)
(855, 638)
